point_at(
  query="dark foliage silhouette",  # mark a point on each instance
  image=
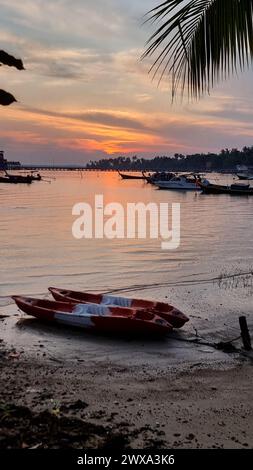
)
(199, 42)
(226, 160)
(6, 59)
(6, 98)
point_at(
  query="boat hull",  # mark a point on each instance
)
(176, 187)
(15, 180)
(94, 317)
(131, 177)
(245, 177)
(169, 313)
(218, 189)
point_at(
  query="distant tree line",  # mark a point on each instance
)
(225, 160)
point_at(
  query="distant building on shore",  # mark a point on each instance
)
(5, 165)
(3, 161)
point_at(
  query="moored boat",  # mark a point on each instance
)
(33, 176)
(171, 314)
(125, 176)
(19, 178)
(95, 317)
(37, 177)
(180, 182)
(244, 173)
(238, 189)
(16, 179)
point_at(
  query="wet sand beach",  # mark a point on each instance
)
(198, 407)
(137, 393)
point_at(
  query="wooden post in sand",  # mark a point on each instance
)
(245, 334)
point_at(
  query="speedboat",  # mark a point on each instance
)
(181, 182)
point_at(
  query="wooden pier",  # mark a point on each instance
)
(74, 168)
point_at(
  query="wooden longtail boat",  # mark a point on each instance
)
(95, 317)
(234, 189)
(131, 177)
(17, 179)
(171, 314)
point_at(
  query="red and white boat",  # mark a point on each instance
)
(171, 314)
(95, 317)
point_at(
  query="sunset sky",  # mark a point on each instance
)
(86, 95)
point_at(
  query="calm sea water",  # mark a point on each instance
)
(38, 249)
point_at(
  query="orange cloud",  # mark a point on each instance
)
(113, 132)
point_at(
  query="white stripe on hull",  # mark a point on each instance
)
(74, 320)
(117, 301)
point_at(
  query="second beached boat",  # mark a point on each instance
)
(171, 314)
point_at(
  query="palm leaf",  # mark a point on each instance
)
(6, 59)
(6, 98)
(199, 42)
(11, 61)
